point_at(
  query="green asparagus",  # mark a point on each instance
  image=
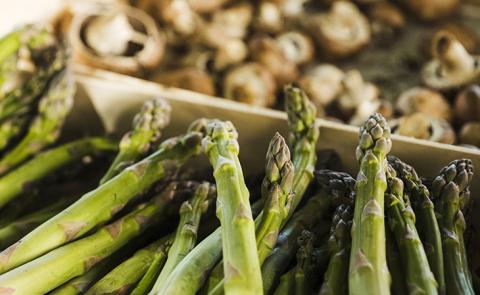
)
(286, 285)
(75, 258)
(401, 220)
(304, 135)
(368, 272)
(45, 128)
(394, 263)
(304, 256)
(107, 199)
(339, 244)
(186, 235)
(147, 126)
(148, 280)
(126, 275)
(428, 228)
(241, 263)
(450, 191)
(45, 163)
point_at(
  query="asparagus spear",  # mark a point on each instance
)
(75, 258)
(401, 220)
(368, 272)
(287, 283)
(241, 264)
(334, 188)
(450, 191)
(124, 277)
(147, 127)
(425, 215)
(186, 235)
(394, 263)
(304, 256)
(45, 128)
(304, 135)
(339, 244)
(107, 199)
(45, 163)
(148, 280)
(277, 193)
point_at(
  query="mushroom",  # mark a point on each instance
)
(233, 21)
(206, 6)
(386, 19)
(355, 92)
(470, 134)
(266, 51)
(269, 17)
(322, 84)
(422, 126)
(464, 34)
(189, 78)
(232, 52)
(424, 100)
(296, 47)
(430, 10)
(467, 104)
(179, 15)
(250, 83)
(452, 66)
(118, 38)
(342, 31)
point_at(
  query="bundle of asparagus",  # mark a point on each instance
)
(135, 230)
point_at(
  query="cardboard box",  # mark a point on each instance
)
(106, 102)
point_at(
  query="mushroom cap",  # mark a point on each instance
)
(467, 104)
(424, 100)
(269, 17)
(251, 83)
(429, 10)
(422, 126)
(470, 134)
(452, 65)
(387, 14)
(189, 78)
(322, 83)
(355, 91)
(296, 47)
(147, 56)
(342, 31)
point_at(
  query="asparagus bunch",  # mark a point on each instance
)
(107, 199)
(401, 219)
(186, 235)
(426, 219)
(76, 258)
(45, 163)
(368, 272)
(304, 135)
(148, 124)
(451, 194)
(241, 263)
(339, 243)
(45, 128)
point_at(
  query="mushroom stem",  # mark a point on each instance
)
(452, 55)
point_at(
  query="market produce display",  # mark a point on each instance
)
(415, 62)
(141, 216)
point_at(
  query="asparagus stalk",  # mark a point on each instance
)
(76, 258)
(287, 283)
(45, 163)
(148, 280)
(147, 126)
(401, 220)
(23, 225)
(107, 199)
(186, 234)
(450, 190)
(125, 276)
(334, 187)
(304, 135)
(304, 256)
(241, 264)
(394, 263)
(428, 228)
(368, 272)
(339, 244)
(11, 128)
(45, 128)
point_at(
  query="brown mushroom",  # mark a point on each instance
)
(424, 100)
(465, 35)
(233, 21)
(296, 47)
(467, 104)
(354, 92)
(386, 19)
(269, 18)
(189, 78)
(470, 134)
(206, 6)
(250, 83)
(422, 126)
(266, 51)
(178, 15)
(429, 10)
(118, 38)
(342, 31)
(322, 84)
